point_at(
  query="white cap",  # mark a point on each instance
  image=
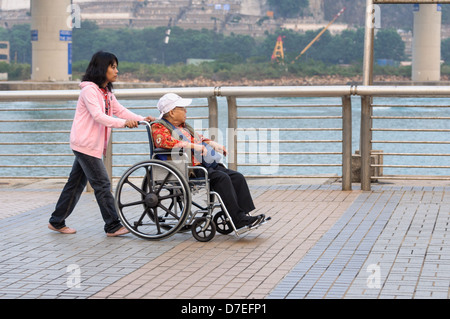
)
(170, 101)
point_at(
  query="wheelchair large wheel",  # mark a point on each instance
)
(153, 200)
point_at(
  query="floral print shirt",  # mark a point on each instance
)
(162, 138)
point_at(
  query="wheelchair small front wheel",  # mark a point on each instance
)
(223, 226)
(203, 229)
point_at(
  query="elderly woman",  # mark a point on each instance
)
(230, 185)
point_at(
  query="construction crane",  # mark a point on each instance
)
(319, 35)
(278, 51)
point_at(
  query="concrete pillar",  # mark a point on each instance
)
(51, 38)
(253, 7)
(317, 9)
(426, 55)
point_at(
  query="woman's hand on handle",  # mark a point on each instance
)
(131, 123)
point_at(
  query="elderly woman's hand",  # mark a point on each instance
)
(200, 148)
(218, 147)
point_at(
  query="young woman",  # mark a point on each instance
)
(89, 136)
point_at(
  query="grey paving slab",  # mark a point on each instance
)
(384, 246)
(392, 242)
(38, 263)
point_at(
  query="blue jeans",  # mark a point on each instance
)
(87, 168)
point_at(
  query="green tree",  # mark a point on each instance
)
(83, 39)
(19, 37)
(445, 51)
(346, 48)
(389, 45)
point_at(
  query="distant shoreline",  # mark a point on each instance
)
(126, 81)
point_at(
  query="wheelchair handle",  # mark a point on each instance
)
(149, 135)
(144, 123)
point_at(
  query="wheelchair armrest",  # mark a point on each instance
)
(176, 154)
(168, 151)
(162, 151)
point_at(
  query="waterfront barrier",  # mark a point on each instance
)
(249, 132)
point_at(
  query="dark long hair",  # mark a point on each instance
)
(97, 68)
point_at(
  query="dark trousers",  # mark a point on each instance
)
(233, 189)
(87, 168)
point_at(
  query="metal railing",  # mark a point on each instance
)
(31, 151)
(292, 158)
(409, 136)
(369, 118)
(250, 132)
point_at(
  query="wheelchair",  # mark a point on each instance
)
(154, 199)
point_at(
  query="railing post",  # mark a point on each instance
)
(365, 131)
(365, 142)
(213, 118)
(346, 143)
(232, 133)
(369, 35)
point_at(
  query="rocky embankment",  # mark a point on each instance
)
(285, 81)
(127, 81)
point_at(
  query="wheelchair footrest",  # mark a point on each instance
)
(245, 229)
(265, 220)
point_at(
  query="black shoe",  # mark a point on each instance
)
(259, 220)
(246, 221)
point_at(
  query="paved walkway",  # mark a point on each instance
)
(392, 242)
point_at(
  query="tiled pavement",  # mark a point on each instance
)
(392, 242)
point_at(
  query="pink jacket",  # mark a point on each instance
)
(91, 127)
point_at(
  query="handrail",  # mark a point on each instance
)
(286, 91)
(261, 91)
(131, 94)
(401, 91)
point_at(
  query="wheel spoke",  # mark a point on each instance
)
(164, 182)
(149, 178)
(135, 187)
(169, 196)
(140, 202)
(139, 222)
(156, 220)
(168, 211)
